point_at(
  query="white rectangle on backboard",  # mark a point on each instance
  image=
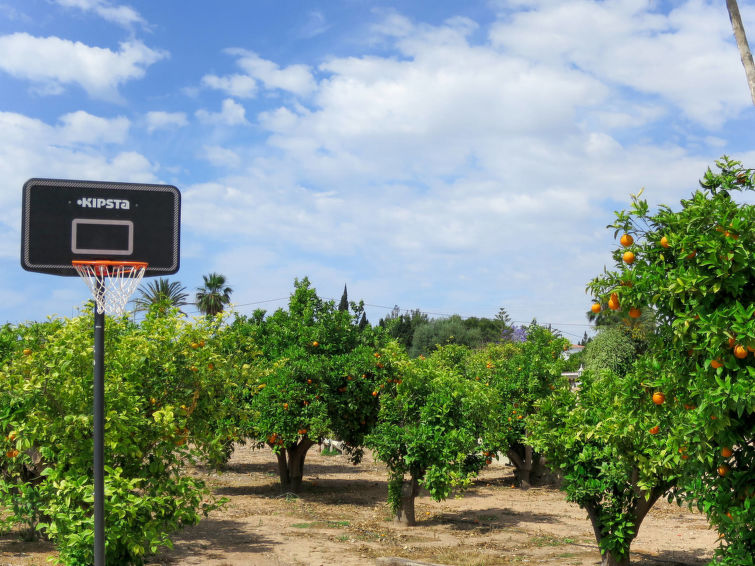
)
(102, 237)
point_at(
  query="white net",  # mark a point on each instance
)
(111, 283)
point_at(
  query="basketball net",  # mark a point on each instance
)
(111, 282)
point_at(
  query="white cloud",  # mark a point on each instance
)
(687, 57)
(122, 15)
(231, 114)
(220, 156)
(82, 127)
(240, 86)
(160, 120)
(51, 63)
(296, 79)
(71, 149)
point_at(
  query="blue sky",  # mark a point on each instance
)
(455, 157)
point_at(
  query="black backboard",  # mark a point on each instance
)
(67, 220)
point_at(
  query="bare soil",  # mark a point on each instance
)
(341, 518)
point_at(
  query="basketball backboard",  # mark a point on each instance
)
(67, 220)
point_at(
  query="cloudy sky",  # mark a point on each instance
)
(455, 157)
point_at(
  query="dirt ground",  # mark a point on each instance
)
(341, 518)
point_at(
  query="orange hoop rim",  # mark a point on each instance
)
(102, 266)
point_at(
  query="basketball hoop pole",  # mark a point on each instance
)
(111, 283)
(99, 434)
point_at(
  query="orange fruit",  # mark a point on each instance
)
(374, 393)
(732, 342)
(689, 407)
(659, 398)
(740, 352)
(726, 452)
(315, 344)
(628, 257)
(302, 431)
(12, 453)
(285, 406)
(664, 242)
(27, 352)
(723, 469)
(626, 240)
(595, 308)
(716, 363)
(691, 254)
(376, 354)
(634, 313)
(655, 430)
(613, 302)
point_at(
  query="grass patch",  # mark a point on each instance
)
(330, 452)
(550, 540)
(321, 525)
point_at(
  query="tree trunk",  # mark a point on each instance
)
(744, 48)
(610, 560)
(405, 512)
(527, 463)
(291, 464)
(642, 503)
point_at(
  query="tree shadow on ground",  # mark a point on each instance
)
(489, 520)
(12, 544)
(213, 539)
(271, 467)
(327, 491)
(671, 558)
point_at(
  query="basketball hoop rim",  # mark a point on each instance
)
(103, 266)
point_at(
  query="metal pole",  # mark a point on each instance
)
(99, 436)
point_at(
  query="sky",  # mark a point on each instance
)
(452, 157)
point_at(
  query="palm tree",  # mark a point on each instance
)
(214, 295)
(161, 291)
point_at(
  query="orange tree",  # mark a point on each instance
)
(163, 389)
(695, 268)
(434, 430)
(605, 441)
(522, 373)
(320, 377)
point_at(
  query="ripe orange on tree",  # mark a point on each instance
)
(659, 398)
(628, 257)
(723, 469)
(726, 452)
(595, 308)
(613, 302)
(664, 242)
(626, 240)
(740, 352)
(716, 363)
(655, 430)
(634, 312)
(27, 352)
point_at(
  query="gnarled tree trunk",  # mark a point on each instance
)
(527, 462)
(642, 504)
(291, 464)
